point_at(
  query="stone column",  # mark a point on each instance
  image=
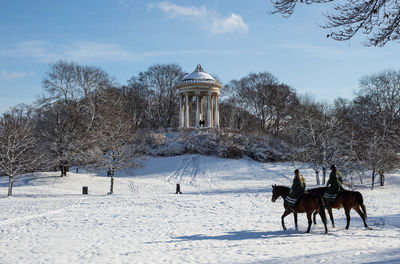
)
(209, 109)
(180, 111)
(212, 111)
(201, 108)
(217, 110)
(187, 110)
(197, 110)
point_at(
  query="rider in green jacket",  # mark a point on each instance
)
(334, 184)
(297, 190)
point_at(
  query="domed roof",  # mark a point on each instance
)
(198, 76)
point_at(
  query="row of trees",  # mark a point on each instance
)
(82, 119)
(86, 118)
(358, 135)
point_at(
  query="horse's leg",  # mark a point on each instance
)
(331, 216)
(282, 217)
(362, 215)
(295, 219)
(347, 213)
(323, 218)
(314, 217)
(309, 215)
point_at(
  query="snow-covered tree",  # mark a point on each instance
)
(313, 135)
(161, 79)
(18, 145)
(61, 130)
(68, 112)
(139, 105)
(116, 136)
(265, 98)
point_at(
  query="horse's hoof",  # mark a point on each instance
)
(284, 228)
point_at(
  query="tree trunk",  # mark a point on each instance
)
(112, 184)
(373, 179)
(317, 177)
(382, 179)
(323, 176)
(10, 185)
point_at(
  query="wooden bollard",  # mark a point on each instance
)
(178, 189)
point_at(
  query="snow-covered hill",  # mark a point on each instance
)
(211, 141)
(225, 215)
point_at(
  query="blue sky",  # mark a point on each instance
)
(229, 38)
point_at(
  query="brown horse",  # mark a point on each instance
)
(307, 203)
(347, 200)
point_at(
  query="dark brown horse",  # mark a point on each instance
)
(307, 203)
(347, 200)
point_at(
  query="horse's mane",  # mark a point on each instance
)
(318, 190)
(321, 190)
(281, 187)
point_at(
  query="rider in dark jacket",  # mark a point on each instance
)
(334, 184)
(297, 190)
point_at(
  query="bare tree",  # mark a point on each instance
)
(378, 19)
(313, 134)
(368, 127)
(69, 111)
(115, 137)
(233, 114)
(264, 97)
(381, 93)
(139, 103)
(61, 129)
(161, 80)
(18, 144)
(347, 143)
(254, 93)
(383, 90)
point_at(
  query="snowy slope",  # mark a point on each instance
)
(225, 215)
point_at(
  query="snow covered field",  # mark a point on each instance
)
(225, 215)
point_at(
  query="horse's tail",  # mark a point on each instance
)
(360, 201)
(321, 208)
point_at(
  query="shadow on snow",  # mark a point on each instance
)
(242, 235)
(261, 190)
(27, 179)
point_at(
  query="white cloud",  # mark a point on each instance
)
(36, 50)
(13, 75)
(176, 11)
(229, 24)
(44, 51)
(160, 53)
(209, 20)
(81, 51)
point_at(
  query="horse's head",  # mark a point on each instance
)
(275, 193)
(278, 191)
